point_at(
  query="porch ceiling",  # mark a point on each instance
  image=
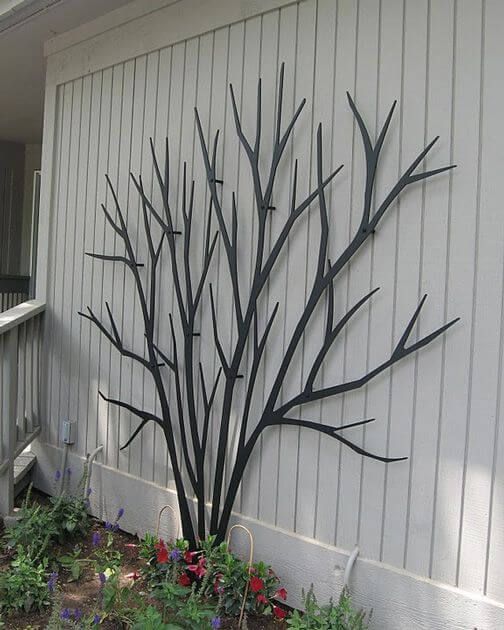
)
(24, 27)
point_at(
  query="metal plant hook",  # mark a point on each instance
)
(175, 518)
(251, 556)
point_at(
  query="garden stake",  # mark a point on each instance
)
(174, 514)
(251, 556)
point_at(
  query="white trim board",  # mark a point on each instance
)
(104, 23)
(143, 27)
(400, 600)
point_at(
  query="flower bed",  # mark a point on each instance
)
(61, 569)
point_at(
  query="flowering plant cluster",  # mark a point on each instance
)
(218, 572)
(63, 616)
(107, 559)
(69, 510)
(32, 544)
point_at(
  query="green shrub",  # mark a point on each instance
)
(229, 579)
(340, 616)
(187, 608)
(35, 528)
(150, 619)
(24, 585)
(69, 516)
(73, 563)
(120, 603)
(39, 526)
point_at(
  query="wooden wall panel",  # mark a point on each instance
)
(440, 513)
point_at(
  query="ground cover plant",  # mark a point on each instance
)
(95, 575)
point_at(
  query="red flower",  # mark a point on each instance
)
(161, 552)
(256, 584)
(184, 580)
(162, 555)
(188, 556)
(199, 568)
(279, 613)
(261, 599)
(281, 593)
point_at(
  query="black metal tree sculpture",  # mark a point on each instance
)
(181, 366)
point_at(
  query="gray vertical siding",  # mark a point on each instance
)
(440, 514)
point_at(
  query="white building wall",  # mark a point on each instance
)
(440, 514)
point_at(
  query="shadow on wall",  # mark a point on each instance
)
(17, 165)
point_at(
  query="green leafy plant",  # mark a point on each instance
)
(73, 563)
(24, 585)
(187, 607)
(70, 510)
(170, 595)
(150, 619)
(39, 526)
(34, 529)
(120, 603)
(106, 558)
(69, 515)
(196, 613)
(231, 576)
(340, 616)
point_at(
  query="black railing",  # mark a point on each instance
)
(13, 291)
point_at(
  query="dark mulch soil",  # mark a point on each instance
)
(85, 592)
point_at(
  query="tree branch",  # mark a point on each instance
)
(229, 246)
(400, 352)
(332, 334)
(117, 343)
(333, 432)
(218, 345)
(258, 349)
(121, 259)
(207, 405)
(145, 415)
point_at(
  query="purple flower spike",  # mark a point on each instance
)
(103, 578)
(96, 539)
(65, 613)
(216, 622)
(57, 475)
(108, 526)
(69, 472)
(77, 614)
(96, 620)
(88, 491)
(120, 513)
(53, 579)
